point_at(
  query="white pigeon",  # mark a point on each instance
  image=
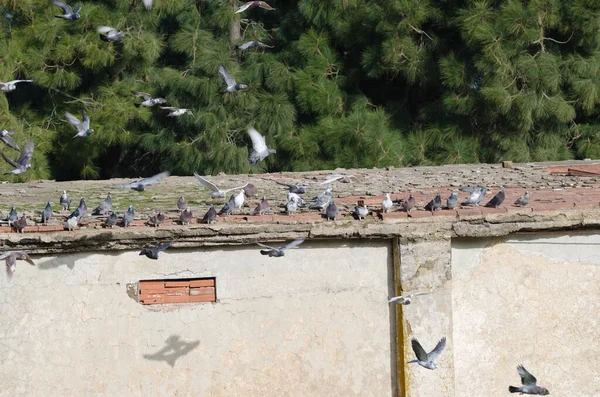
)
(82, 127)
(260, 151)
(176, 112)
(12, 85)
(299, 200)
(238, 200)
(406, 299)
(148, 4)
(424, 359)
(215, 191)
(71, 223)
(108, 33)
(336, 177)
(387, 204)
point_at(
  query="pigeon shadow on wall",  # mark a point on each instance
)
(175, 348)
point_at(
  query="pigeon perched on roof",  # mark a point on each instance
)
(148, 4)
(82, 127)
(186, 216)
(47, 213)
(387, 204)
(23, 162)
(232, 85)
(476, 196)
(65, 201)
(140, 185)
(331, 211)
(277, 252)
(254, 4)
(406, 299)
(296, 189)
(262, 207)
(235, 201)
(250, 190)
(152, 252)
(12, 85)
(529, 384)
(71, 223)
(434, 204)
(361, 212)
(128, 216)
(292, 205)
(408, 204)
(69, 13)
(149, 101)
(80, 211)
(337, 177)
(301, 202)
(111, 220)
(260, 151)
(181, 203)
(452, 201)
(497, 200)
(11, 259)
(423, 358)
(5, 136)
(104, 206)
(12, 216)
(253, 44)
(215, 191)
(156, 219)
(108, 33)
(20, 224)
(523, 200)
(210, 215)
(322, 199)
(176, 112)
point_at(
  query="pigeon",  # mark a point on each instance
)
(80, 211)
(11, 261)
(452, 201)
(148, 4)
(176, 112)
(260, 151)
(337, 177)
(82, 127)
(331, 211)
(408, 205)
(386, 205)
(523, 200)
(71, 223)
(12, 216)
(301, 202)
(232, 85)
(406, 299)
(476, 196)
(149, 101)
(20, 224)
(69, 13)
(424, 359)
(254, 4)
(277, 252)
(47, 213)
(12, 85)
(181, 203)
(210, 215)
(253, 44)
(497, 200)
(250, 190)
(65, 201)
(215, 191)
(128, 216)
(108, 33)
(291, 206)
(111, 220)
(262, 207)
(322, 199)
(23, 163)
(104, 206)
(140, 185)
(186, 216)
(157, 219)
(235, 201)
(296, 189)
(434, 204)
(5, 136)
(152, 252)
(361, 212)
(529, 384)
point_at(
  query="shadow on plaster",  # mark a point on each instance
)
(175, 349)
(69, 260)
(393, 322)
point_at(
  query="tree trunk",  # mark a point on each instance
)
(235, 31)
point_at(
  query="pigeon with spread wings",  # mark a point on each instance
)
(12, 85)
(69, 13)
(215, 191)
(406, 299)
(149, 101)
(140, 185)
(529, 384)
(23, 163)
(108, 33)
(253, 44)
(337, 177)
(82, 127)
(11, 261)
(277, 252)
(260, 151)
(176, 112)
(232, 85)
(424, 359)
(254, 4)
(5, 136)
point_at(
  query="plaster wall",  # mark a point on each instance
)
(313, 323)
(531, 301)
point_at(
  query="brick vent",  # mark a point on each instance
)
(152, 292)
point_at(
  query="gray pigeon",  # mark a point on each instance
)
(523, 200)
(108, 33)
(406, 299)
(408, 204)
(361, 212)
(277, 252)
(210, 215)
(5, 136)
(434, 204)
(253, 44)
(128, 216)
(291, 206)
(12, 216)
(82, 127)
(11, 261)
(250, 190)
(452, 201)
(140, 185)
(322, 199)
(81, 211)
(254, 4)
(111, 220)
(331, 211)
(23, 163)
(215, 191)
(260, 151)
(262, 207)
(20, 224)
(104, 206)
(65, 201)
(186, 216)
(232, 85)
(149, 101)
(387, 204)
(156, 220)
(235, 201)
(176, 112)
(427, 360)
(529, 384)
(12, 85)
(181, 203)
(69, 13)
(152, 252)
(47, 213)
(497, 200)
(296, 189)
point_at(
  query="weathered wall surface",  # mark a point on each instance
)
(313, 323)
(531, 301)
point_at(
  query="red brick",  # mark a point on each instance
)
(201, 298)
(419, 214)
(5, 229)
(202, 283)
(202, 291)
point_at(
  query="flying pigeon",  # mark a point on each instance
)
(68, 12)
(47, 213)
(297, 189)
(434, 204)
(20, 224)
(152, 252)
(156, 220)
(260, 151)
(108, 33)
(529, 384)
(408, 205)
(523, 200)
(210, 215)
(337, 177)
(23, 163)
(254, 4)
(427, 360)
(235, 201)
(253, 44)
(215, 191)
(111, 220)
(149, 101)
(452, 201)
(186, 216)
(232, 85)
(181, 203)
(361, 212)
(386, 205)
(12, 216)
(277, 252)
(292, 205)
(497, 200)
(250, 190)
(65, 201)
(71, 223)
(82, 127)
(11, 261)
(176, 112)
(262, 207)
(331, 211)
(128, 216)
(5, 136)
(322, 199)
(12, 85)
(148, 4)
(406, 299)
(104, 206)
(140, 185)
(301, 202)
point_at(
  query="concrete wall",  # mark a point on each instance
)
(313, 323)
(527, 300)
